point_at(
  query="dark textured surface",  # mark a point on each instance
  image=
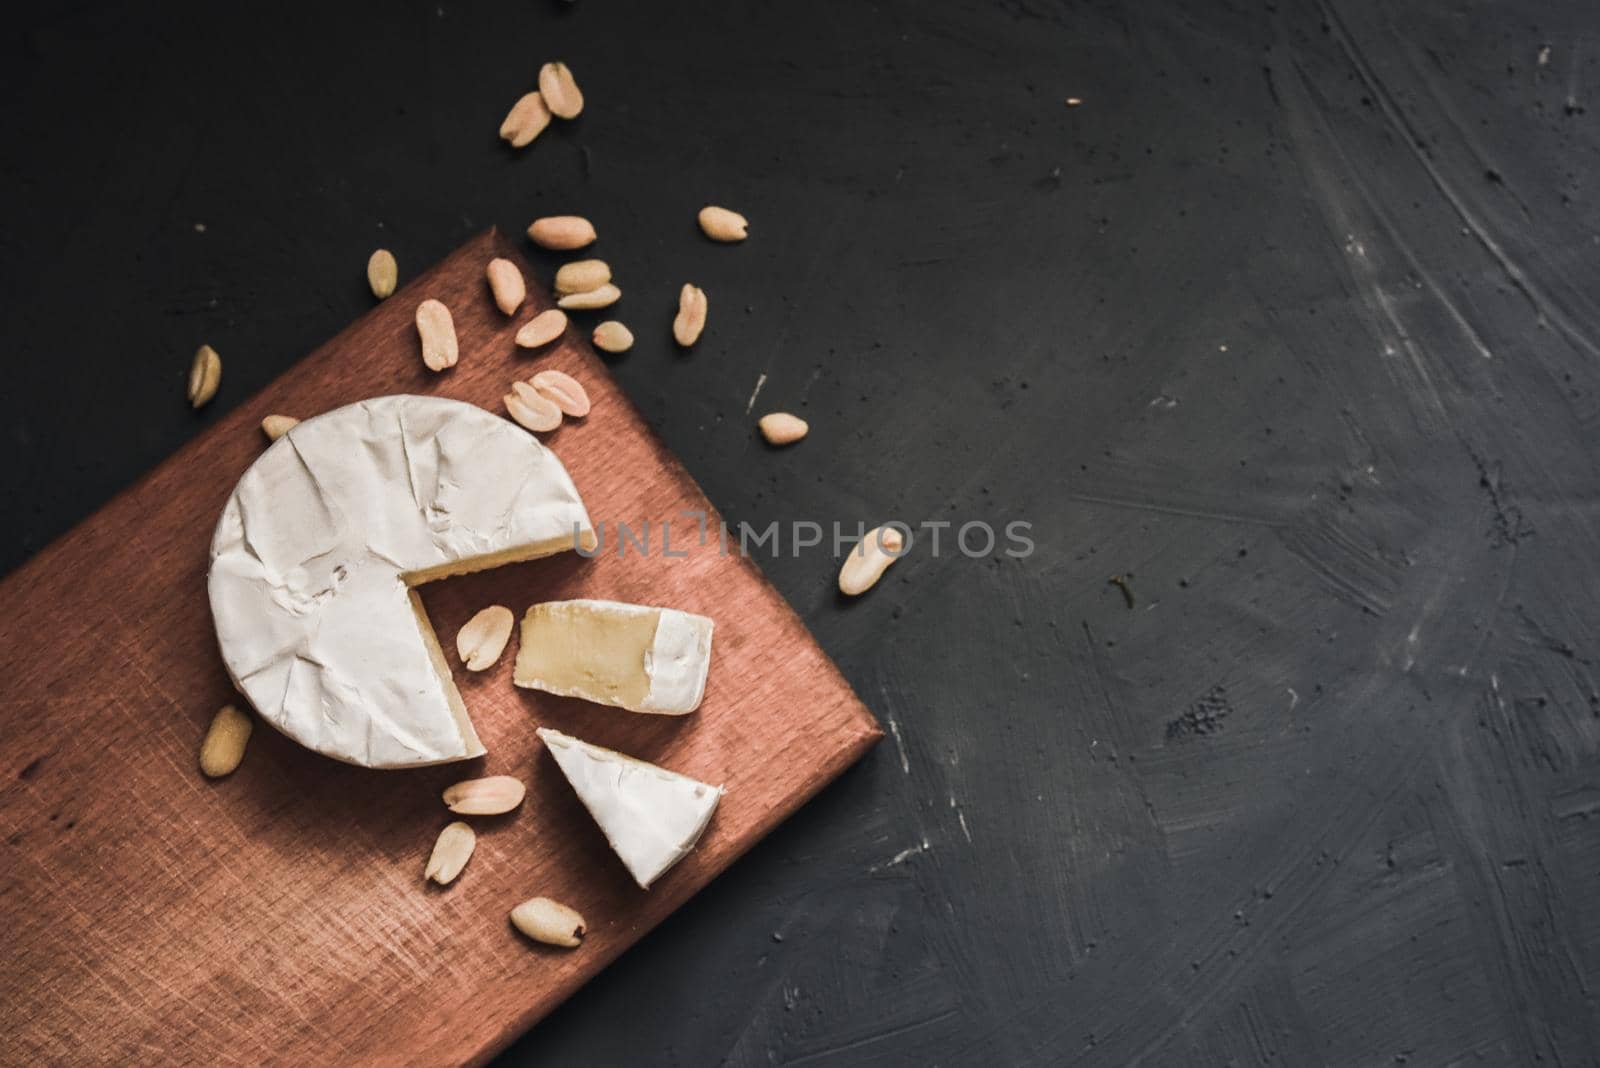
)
(1295, 322)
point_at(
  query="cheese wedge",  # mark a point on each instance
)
(627, 655)
(319, 546)
(651, 816)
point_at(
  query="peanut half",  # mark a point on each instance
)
(564, 391)
(720, 224)
(691, 317)
(483, 638)
(612, 336)
(438, 333)
(506, 283)
(878, 548)
(560, 90)
(491, 796)
(603, 297)
(542, 328)
(450, 853)
(383, 273)
(581, 276)
(781, 428)
(531, 409)
(562, 232)
(549, 922)
(276, 426)
(205, 376)
(224, 743)
(526, 120)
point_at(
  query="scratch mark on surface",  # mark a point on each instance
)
(1175, 509)
(899, 744)
(1413, 636)
(1399, 339)
(829, 1052)
(902, 856)
(1346, 560)
(961, 818)
(750, 405)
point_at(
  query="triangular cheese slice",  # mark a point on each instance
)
(651, 816)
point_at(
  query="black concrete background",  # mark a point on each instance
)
(1295, 321)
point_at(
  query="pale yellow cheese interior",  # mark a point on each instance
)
(515, 555)
(598, 656)
(441, 667)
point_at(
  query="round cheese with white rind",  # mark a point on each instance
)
(314, 561)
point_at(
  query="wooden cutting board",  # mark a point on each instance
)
(280, 915)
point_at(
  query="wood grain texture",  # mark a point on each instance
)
(280, 915)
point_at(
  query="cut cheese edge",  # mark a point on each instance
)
(318, 548)
(629, 656)
(651, 816)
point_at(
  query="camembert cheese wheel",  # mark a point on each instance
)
(319, 547)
